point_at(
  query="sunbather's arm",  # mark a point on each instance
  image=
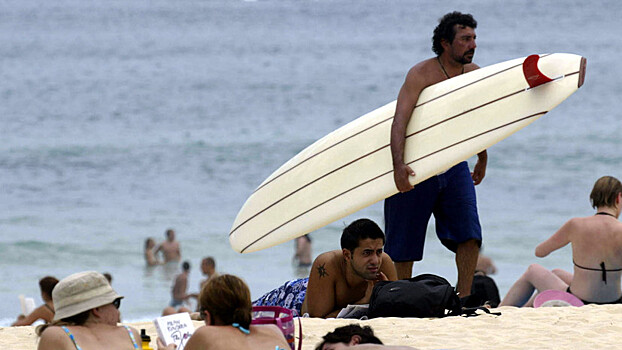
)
(36, 314)
(558, 240)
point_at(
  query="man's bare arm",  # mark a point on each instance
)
(406, 101)
(479, 171)
(320, 297)
(388, 267)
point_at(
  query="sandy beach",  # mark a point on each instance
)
(587, 327)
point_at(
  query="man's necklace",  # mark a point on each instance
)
(443, 68)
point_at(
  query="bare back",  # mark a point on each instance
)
(596, 240)
(261, 337)
(181, 286)
(100, 337)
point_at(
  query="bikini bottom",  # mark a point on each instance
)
(619, 301)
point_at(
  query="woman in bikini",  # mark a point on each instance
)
(596, 252)
(44, 312)
(225, 304)
(87, 312)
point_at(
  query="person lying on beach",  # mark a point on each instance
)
(225, 304)
(596, 253)
(354, 336)
(87, 312)
(44, 312)
(339, 277)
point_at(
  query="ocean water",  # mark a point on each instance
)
(121, 119)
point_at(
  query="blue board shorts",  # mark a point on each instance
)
(450, 196)
(290, 295)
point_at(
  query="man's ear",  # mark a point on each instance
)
(355, 340)
(346, 253)
(445, 44)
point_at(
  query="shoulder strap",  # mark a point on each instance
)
(70, 335)
(131, 334)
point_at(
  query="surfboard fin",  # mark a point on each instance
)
(532, 74)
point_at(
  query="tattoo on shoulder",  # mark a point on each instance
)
(322, 270)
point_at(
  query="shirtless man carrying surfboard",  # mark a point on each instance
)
(450, 195)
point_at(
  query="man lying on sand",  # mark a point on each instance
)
(339, 277)
(355, 336)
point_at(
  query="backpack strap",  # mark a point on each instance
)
(471, 311)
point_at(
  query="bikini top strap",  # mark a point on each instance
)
(70, 335)
(602, 269)
(242, 329)
(49, 307)
(129, 331)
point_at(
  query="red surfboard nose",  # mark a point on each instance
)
(532, 74)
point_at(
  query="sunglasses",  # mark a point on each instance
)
(117, 303)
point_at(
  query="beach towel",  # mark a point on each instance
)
(290, 295)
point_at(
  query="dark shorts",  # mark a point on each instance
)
(290, 295)
(450, 197)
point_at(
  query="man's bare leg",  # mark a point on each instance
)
(404, 269)
(466, 260)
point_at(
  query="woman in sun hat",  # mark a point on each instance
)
(596, 243)
(87, 312)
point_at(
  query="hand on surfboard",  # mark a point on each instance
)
(401, 175)
(479, 171)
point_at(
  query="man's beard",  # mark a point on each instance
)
(464, 59)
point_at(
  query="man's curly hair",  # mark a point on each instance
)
(445, 29)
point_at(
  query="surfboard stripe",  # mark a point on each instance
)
(390, 118)
(322, 151)
(374, 151)
(535, 115)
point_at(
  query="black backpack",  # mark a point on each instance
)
(483, 291)
(425, 295)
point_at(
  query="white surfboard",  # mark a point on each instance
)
(351, 168)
